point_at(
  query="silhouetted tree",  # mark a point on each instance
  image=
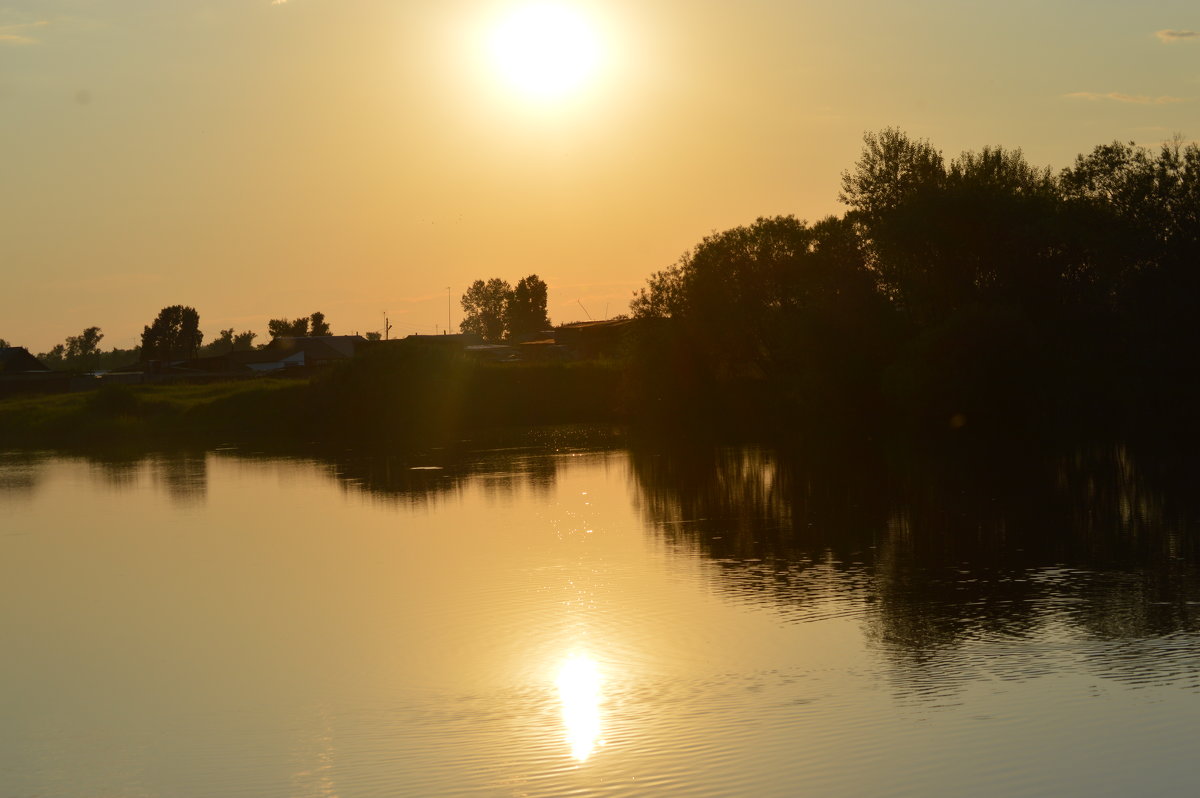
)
(282, 328)
(1142, 212)
(317, 324)
(662, 298)
(940, 238)
(1155, 200)
(525, 310)
(226, 342)
(312, 325)
(891, 169)
(742, 291)
(83, 350)
(175, 333)
(484, 306)
(55, 358)
(220, 345)
(244, 341)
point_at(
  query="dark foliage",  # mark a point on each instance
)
(312, 325)
(485, 306)
(227, 341)
(496, 311)
(174, 334)
(525, 311)
(980, 296)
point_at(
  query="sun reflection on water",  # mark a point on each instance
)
(579, 690)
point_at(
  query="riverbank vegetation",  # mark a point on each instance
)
(388, 398)
(977, 298)
(980, 296)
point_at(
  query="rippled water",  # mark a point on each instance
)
(594, 622)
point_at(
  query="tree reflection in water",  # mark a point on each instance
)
(944, 554)
(20, 473)
(937, 555)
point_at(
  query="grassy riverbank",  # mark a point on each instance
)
(407, 398)
(384, 400)
(148, 416)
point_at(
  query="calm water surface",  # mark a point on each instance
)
(594, 622)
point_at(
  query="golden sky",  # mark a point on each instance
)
(259, 159)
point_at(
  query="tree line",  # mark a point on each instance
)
(979, 292)
(493, 309)
(970, 291)
(174, 334)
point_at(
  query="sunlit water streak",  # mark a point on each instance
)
(578, 685)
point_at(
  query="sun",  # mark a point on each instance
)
(545, 50)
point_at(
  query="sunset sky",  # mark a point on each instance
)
(259, 159)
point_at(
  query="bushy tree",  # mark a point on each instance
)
(743, 292)
(317, 324)
(663, 296)
(227, 341)
(283, 328)
(56, 358)
(890, 171)
(525, 311)
(987, 227)
(485, 307)
(1142, 215)
(244, 341)
(220, 345)
(1155, 199)
(174, 334)
(83, 350)
(312, 325)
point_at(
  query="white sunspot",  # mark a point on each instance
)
(545, 50)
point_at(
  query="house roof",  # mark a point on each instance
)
(462, 339)
(17, 360)
(596, 324)
(319, 347)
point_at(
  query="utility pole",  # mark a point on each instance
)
(448, 324)
(387, 327)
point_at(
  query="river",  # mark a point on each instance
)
(593, 620)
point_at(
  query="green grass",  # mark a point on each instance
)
(393, 400)
(145, 416)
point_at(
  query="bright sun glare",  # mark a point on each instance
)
(545, 50)
(579, 690)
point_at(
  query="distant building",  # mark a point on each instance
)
(17, 360)
(287, 352)
(589, 339)
(317, 348)
(494, 353)
(460, 340)
(21, 372)
(543, 349)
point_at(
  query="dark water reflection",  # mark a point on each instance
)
(766, 622)
(932, 551)
(954, 565)
(20, 473)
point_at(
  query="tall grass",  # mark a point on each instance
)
(389, 398)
